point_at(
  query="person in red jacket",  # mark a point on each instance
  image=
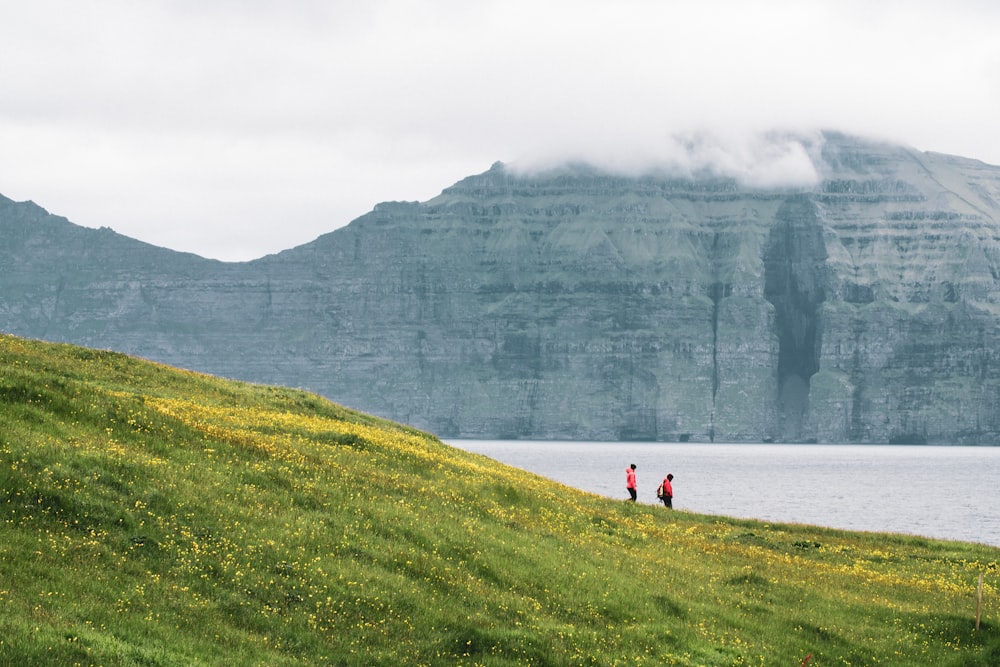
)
(667, 492)
(630, 481)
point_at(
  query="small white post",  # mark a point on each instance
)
(979, 600)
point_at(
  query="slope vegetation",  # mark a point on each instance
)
(152, 516)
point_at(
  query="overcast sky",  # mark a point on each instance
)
(238, 128)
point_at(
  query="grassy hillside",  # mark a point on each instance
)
(152, 516)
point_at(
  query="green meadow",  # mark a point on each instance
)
(153, 516)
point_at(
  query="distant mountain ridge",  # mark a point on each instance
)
(579, 304)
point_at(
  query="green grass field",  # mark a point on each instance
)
(152, 516)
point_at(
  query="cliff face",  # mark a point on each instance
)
(576, 304)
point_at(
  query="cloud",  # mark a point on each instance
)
(755, 160)
(758, 161)
(177, 121)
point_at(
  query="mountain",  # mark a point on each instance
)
(575, 303)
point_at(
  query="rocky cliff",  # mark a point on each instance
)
(578, 304)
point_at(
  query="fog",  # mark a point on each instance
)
(755, 160)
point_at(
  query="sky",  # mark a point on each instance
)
(238, 128)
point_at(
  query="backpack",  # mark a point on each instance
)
(659, 491)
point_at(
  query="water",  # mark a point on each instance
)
(939, 492)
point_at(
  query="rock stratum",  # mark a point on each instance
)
(580, 304)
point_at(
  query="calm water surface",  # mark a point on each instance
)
(942, 492)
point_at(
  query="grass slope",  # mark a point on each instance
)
(152, 516)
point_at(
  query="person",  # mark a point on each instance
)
(630, 481)
(667, 491)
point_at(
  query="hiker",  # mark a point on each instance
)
(666, 492)
(630, 481)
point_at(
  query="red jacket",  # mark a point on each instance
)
(629, 478)
(668, 491)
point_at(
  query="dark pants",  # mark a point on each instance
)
(668, 501)
(631, 492)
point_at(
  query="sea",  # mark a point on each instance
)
(945, 492)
